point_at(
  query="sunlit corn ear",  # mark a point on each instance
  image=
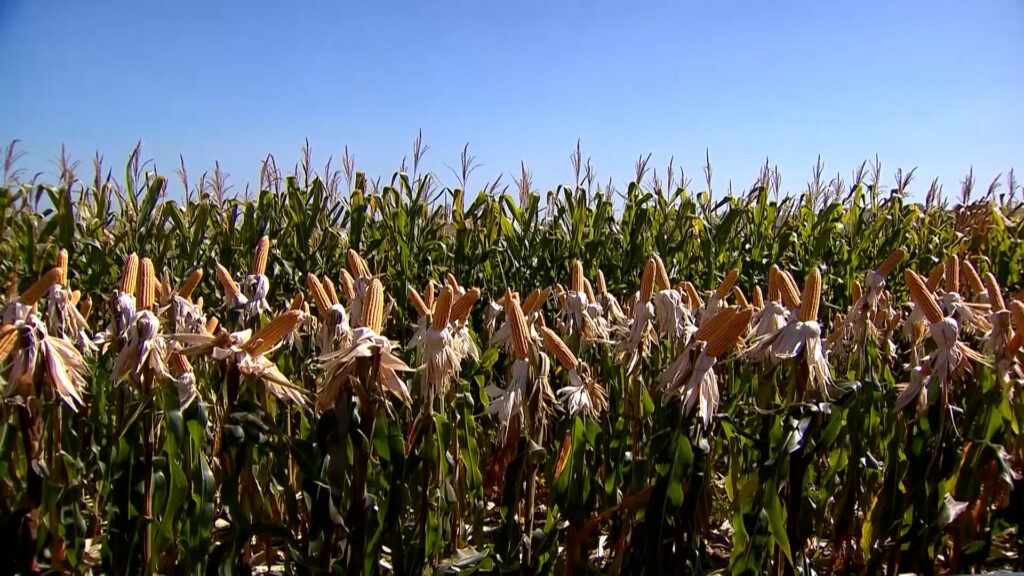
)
(373, 306)
(602, 286)
(715, 323)
(130, 274)
(891, 262)
(695, 300)
(725, 286)
(40, 287)
(211, 324)
(661, 280)
(757, 299)
(1013, 347)
(588, 290)
(262, 341)
(62, 263)
(1017, 315)
(535, 300)
(347, 285)
(179, 364)
(161, 288)
(356, 265)
(8, 339)
(727, 336)
(259, 258)
(775, 284)
(453, 284)
(320, 297)
(935, 277)
(647, 280)
(75, 296)
(857, 292)
(190, 283)
(442, 308)
(417, 302)
(558, 349)
(811, 297)
(147, 285)
(790, 290)
(462, 306)
(228, 284)
(741, 300)
(995, 294)
(428, 296)
(970, 276)
(837, 327)
(297, 302)
(328, 288)
(85, 306)
(952, 283)
(520, 334)
(922, 296)
(576, 281)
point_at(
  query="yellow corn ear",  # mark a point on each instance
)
(417, 302)
(995, 294)
(8, 338)
(757, 299)
(190, 283)
(741, 300)
(297, 302)
(535, 300)
(259, 258)
(332, 295)
(442, 308)
(347, 285)
(62, 263)
(373, 306)
(130, 274)
(428, 296)
(774, 284)
(923, 297)
(727, 335)
(647, 280)
(262, 341)
(40, 287)
(589, 291)
(462, 306)
(231, 289)
(520, 333)
(453, 283)
(695, 300)
(971, 276)
(790, 292)
(356, 265)
(147, 284)
(602, 286)
(891, 262)
(320, 297)
(211, 324)
(713, 324)
(661, 280)
(576, 281)
(85, 306)
(953, 274)
(935, 277)
(1017, 315)
(1014, 345)
(811, 297)
(558, 349)
(75, 296)
(726, 284)
(179, 364)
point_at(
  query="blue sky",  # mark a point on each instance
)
(932, 85)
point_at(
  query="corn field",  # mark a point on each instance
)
(339, 375)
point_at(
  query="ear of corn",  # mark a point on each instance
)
(535, 301)
(40, 287)
(774, 284)
(757, 299)
(332, 295)
(8, 338)
(231, 289)
(347, 285)
(356, 265)
(259, 258)
(462, 306)
(970, 275)
(558, 349)
(62, 263)
(428, 298)
(576, 282)
(520, 333)
(373, 306)
(417, 302)
(952, 283)
(695, 300)
(85, 306)
(262, 341)
(737, 295)
(442, 308)
(935, 277)
(147, 284)
(211, 324)
(726, 284)
(76, 295)
(602, 287)
(727, 335)
(790, 292)
(1017, 315)
(922, 296)
(320, 297)
(297, 302)
(891, 262)
(179, 364)
(995, 294)
(589, 291)
(453, 283)
(190, 283)
(130, 274)
(715, 323)
(811, 297)
(661, 280)
(647, 280)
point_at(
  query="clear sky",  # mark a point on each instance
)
(936, 85)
